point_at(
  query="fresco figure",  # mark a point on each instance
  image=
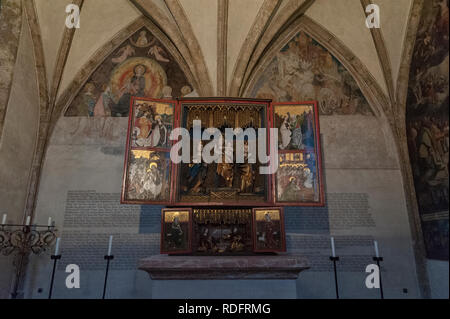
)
(157, 51)
(304, 70)
(137, 83)
(104, 103)
(134, 87)
(123, 54)
(89, 98)
(142, 41)
(140, 68)
(427, 125)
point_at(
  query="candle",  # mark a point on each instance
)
(110, 245)
(377, 254)
(4, 219)
(27, 223)
(57, 246)
(333, 251)
(49, 222)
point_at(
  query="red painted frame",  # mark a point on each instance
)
(269, 200)
(317, 151)
(163, 232)
(282, 235)
(175, 168)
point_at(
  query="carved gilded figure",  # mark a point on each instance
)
(225, 170)
(247, 178)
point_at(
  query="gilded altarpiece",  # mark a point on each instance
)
(222, 193)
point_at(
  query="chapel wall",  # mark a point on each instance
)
(17, 143)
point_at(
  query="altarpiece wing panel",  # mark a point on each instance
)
(298, 180)
(150, 176)
(148, 167)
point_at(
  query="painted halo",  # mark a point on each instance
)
(155, 76)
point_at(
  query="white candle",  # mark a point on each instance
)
(110, 245)
(377, 253)
(4, 219)
(49, 222)
(27, 223)
(333, 251)
(57, 246)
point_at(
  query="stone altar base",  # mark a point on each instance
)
(224, 277)
(224, 289)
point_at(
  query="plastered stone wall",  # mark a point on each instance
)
(10, 26)
(93, 32)
(351, 31)
(85, 159)
(18, 143)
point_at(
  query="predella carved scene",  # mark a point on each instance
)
(140, 67)
(427, 125)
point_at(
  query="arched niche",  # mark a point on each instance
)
(141, 43)
(351, 73)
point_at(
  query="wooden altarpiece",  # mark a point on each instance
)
(217, 201)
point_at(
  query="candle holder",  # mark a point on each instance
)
(335, 259)
(378, 260)
(55, 259)
(108, 259)
(22, 240)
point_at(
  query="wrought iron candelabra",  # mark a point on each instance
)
(20, 241)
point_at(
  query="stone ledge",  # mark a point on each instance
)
(161, 267)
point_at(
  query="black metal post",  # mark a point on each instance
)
(378, 260)
(108, 259)
(55, 259)
(20, 262)
(334, 260)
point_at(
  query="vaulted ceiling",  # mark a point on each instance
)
(218, 38)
